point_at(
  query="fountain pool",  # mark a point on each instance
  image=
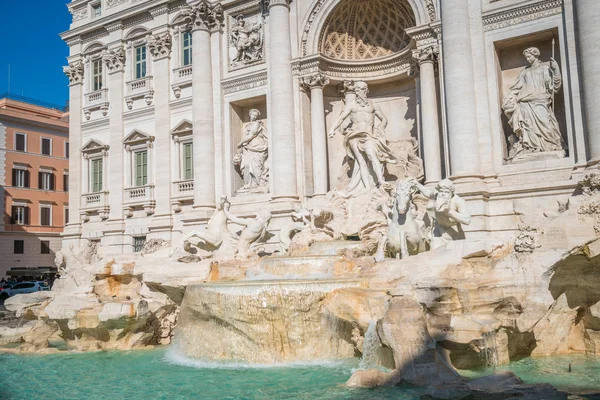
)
(164, 374)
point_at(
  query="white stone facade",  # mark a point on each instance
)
(439, 74)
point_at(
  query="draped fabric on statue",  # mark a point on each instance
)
(254, 157)
(528, 107)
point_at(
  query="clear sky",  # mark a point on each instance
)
(29, 42)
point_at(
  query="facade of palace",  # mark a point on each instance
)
(175, 104)
(34, 184)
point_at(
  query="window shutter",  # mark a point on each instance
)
(51, 181)
(66, 183)
(26, 179)
(26, 215)
(14, 177)
(40, 179)
(13, 216)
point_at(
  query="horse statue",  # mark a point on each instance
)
(405, 234)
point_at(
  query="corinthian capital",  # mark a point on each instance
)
(114, 60)
(273, 3)
(205, 16)
(317, 80)
(160, 45)
(74, 72)
(426, 54)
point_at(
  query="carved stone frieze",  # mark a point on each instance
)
(430, 10)
(527, 239)
(113, 3)
(246, 38)
(245, 83)
(160, 45)
(114, 60)
(519, 15)
(317, 80)
(79, 14)
(74, 72)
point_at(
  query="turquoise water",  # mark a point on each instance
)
(162, 374)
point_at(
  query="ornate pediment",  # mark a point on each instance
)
(183, 128)
(137, 137)
(94, 146)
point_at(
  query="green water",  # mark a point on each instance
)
(162, 374)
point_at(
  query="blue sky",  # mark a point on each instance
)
(30, 44)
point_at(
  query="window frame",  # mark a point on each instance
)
(142, 64)
(22, 242)
(92, 183)
(48, 207)
(42, 146)
(140, 171)
(188, 47)
(24, 142)
(97, 80)
(96, 6)
(24, 214)
(45, 250)
(138, 243)
(67, 149)
(48, 180)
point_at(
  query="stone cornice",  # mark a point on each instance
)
(245, 82)
(242, 8)
(516, 15)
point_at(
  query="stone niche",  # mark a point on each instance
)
(510, 61)
(398, 102)
(240, 117)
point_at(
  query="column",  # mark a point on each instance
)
(113, 167)
(159, 46)
(429, 113)
(206, 19)
(459, 89)
(75, 74)
(281, 113)
(587, 15)
(315, 84)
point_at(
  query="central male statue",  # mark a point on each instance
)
(365, 143)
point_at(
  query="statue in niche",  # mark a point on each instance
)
(254, 231)
(529, 106)
(247, 39)
(365, 142)
(447, 210)
(251, 159)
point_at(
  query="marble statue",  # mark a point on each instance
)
(216, 235)
(252, 155)
(364, 141)
(404, 232)
(301, 219)
(448, 211)
(247, 40)
(529, 106)
(254, 231)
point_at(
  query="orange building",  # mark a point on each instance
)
(34, 178)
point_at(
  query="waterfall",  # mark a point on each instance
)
(370, 352)
(489, 351)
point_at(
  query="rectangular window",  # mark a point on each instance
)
(45, 247)
(97, 75)
(96, 10)
(188, 162)
(66, 216)
(141, 168)
(20, 215)
(20, 178)
(46, 146)
(140, 62)
(66, 149)
(19, 246)
(46, 181)
(20, 142)
(66, 182)
(45, 216)
(138, 243)
(186, 41)
(97, 175)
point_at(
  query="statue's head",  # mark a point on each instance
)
(254, 114)
(240, 20)
(445, 188)
(264, 215)
(404, 191)
(532, 54)
(361, 88)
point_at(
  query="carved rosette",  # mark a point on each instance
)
(114, 60)
(204, 16)
(74, 72)
(426, 54)
(317, 80)
(160, 45)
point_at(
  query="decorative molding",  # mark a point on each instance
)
(272, 3)
(317, 80)
(244, 8)
(160, 45)
(204, 16)
(114, 26)
(519, 15)
(245, 83)
(163, 9)
(79, 13)
(114, 60)
(426, 54)
(431, 10)
(74, 72)
(114, 3)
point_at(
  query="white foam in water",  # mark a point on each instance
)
(175, 356)
(370, 348)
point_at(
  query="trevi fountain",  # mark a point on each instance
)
(344, 199)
